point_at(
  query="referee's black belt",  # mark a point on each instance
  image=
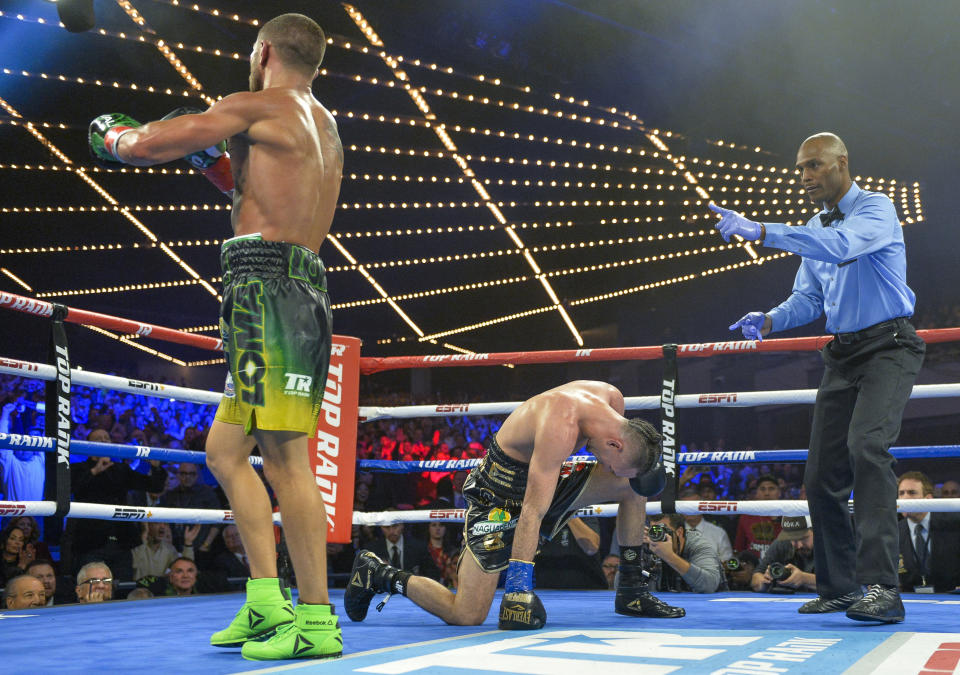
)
(872, 331)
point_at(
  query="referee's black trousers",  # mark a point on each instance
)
(866, 384)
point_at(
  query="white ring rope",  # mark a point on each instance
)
(779, 507)
(86, 378)
(742, 399)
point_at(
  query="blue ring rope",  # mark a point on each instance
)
(46, 444)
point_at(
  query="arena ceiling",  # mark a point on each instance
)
(487, 204)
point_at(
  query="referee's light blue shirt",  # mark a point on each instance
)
(854, 270)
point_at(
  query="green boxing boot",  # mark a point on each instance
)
(314, 634)
(268, 606)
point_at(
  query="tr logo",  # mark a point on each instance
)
(297, 385)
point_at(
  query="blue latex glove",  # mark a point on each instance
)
(751, 325)
(732, 223)
(519, 577)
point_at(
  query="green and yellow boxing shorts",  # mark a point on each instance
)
(276, 328)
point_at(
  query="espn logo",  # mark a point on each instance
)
(717, 398)
(121, 513)
(297, 385)
(446, 513)
(717, 506)
(13, 509)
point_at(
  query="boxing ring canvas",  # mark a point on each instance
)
(725, 633)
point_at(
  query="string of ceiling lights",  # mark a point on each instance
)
(891, 189)
(579, 165)
(51, 147)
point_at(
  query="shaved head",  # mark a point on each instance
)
(824, 168)
(830, 143)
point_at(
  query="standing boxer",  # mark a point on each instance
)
(518, 494)
(275, 318)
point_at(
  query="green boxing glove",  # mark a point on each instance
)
(104, 135)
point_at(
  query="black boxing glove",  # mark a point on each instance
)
(652, 481)
(520, 608)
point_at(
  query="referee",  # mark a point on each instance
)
(853, 269)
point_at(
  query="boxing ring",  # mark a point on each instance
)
(721, 632)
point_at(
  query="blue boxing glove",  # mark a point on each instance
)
(752, 326)
(732, 223)
(520, 608)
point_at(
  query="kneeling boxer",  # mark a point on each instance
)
(518, 494)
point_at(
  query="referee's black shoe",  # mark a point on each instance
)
(879, 603)
(823, 605)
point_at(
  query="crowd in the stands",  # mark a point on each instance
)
(97, 560)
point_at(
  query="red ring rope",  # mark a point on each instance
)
(370, 365)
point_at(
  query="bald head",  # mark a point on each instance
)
(24, 591)
(830, 143)
(824, 170)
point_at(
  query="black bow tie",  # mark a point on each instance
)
(830, 216)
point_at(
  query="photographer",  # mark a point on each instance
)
(788, 562)
(739, 570)
(691, 563)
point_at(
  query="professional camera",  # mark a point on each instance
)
(733, 564)
(659, 532)
(778, 571)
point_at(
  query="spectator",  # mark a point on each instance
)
(145, 497)
(691, 564)
(21, 471)
(610, 565)
(569, 559)
(23, 592)
(929, 542)
(100, 480)
(360, 495)
(139, 593)
(444, 555)
(33, 547)
(711, 533)
(793, 550)
(405, 552)
(756, 533)
(94, 583)
(43, 570)
(190, 494)
(182, 579)
(458, 479)
(233, 561)
(739, 570)
(950, 489)
(13, 561)
(154, 555)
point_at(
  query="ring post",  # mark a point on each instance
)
(58, 419)
(668, 428)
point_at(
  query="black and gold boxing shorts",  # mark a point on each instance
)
(494, 494)
(276, 327)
